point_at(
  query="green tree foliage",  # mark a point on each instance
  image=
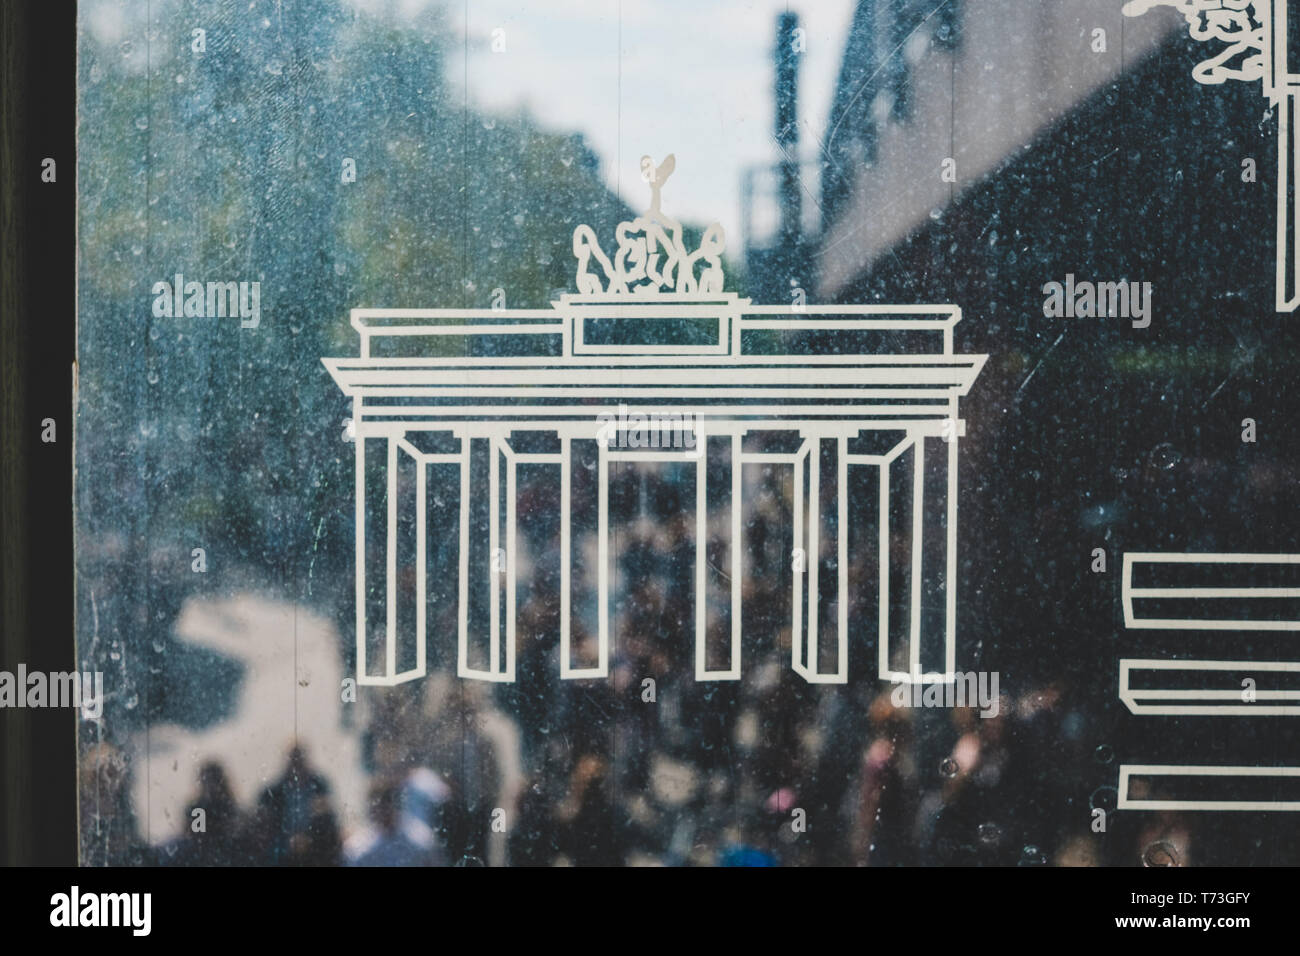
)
(226, 165)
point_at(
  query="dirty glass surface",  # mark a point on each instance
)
(251, 172)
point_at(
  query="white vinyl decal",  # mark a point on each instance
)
(651, 336)
(1209, 592)
(1226, 700)
(1255, 36)
(1208, 778)
(1257, 615)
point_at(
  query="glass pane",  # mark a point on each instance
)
(854, 433)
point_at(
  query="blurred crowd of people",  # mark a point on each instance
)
(650, 766)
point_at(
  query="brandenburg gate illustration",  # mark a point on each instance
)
(450, 405)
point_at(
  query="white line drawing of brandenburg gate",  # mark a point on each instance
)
(822, 390)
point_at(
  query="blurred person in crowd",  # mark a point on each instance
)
(455, 728)
(387, 843)
(751, 843)
(213, 829)
(532, 839)
(1078, 850)
(588, 824)
(295, 824)
(958, 825)
(427, 813)
(882, 799)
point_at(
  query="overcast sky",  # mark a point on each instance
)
(694, 78)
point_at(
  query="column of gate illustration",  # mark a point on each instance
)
(809, 518)
(1165, 701)
(499, 568)
(731, 442)
(921, 644)
(735, 549)
(607, 455)
(380, 567)
(390, 449)
(813, 510)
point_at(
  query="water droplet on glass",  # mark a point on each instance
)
(1165, 456)
(275, 68)
(1104, 754)
(142, 122)
(949, 767)
(132, 702)
(152, 377)
(1160, 853)
(1104, 798)
(989, 834)
(468, 860)
(1032, 856)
